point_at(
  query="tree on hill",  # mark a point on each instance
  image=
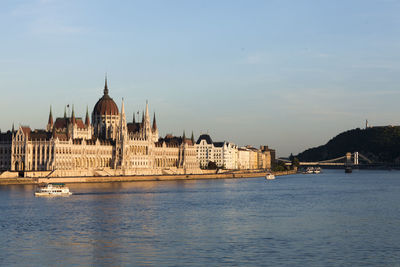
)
(380, 144)
(279, 166)
(295, 162)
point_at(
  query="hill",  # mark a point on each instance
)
(379, 144)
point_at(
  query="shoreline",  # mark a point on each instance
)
(138, 178)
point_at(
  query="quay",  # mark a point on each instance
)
(140, 178)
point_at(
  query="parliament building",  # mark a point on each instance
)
(106, 145)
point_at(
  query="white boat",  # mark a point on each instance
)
(269, 176)
(317, 170)
(54, 189)
(309, 170)
(312, 170)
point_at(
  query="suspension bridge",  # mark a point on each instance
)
(355, 158)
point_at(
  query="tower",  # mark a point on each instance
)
(147, 127)
(154, 129)
(73, 119)
(50, 121)
(121, 140)
(122, 129)
(87, 120)
(105, 116)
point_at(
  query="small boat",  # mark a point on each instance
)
(317, 170)
(269, 176)
(309, 170)
(52, 189)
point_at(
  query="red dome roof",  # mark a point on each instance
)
(106, 106)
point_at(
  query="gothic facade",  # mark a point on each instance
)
(106, 146)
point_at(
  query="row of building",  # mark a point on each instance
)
(108, 145)
(227, 155)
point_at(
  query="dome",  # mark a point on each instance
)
(105, 105)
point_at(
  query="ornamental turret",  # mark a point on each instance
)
(50, 122)
(146, 124)
(87, 120)
(73, 119)
(154, 128)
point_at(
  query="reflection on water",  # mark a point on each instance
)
(326, 219)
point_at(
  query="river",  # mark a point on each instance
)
(329, 219)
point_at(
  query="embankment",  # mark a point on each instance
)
(137, 178)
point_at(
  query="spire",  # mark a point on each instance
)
(73, 115)
(133, 120)
(122, 122)
(122, 107)
(147, 111)
(142, 117)
(50, 122)
(184, 136)
(12, 129)
(87, 120)
(192, 138)
(65, 112)
(105, 86)
(154, 122)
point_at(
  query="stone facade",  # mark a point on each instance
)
(5, 151)
(224, 154)
(106, 147)
(228, 156)
(243, 159)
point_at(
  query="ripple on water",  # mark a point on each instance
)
(312, 220)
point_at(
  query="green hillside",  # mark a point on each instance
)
(379, 144)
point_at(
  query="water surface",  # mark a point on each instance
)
(331, 219)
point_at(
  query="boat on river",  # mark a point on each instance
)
(317, 170)
(269, 176)
(52, 189)
(312, 170)
(309, 170)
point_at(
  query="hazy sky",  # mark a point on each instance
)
(289, 74)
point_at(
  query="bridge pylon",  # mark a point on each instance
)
(355, 158)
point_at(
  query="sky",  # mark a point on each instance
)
(287, 74)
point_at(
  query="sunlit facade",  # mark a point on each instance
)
(107, 146)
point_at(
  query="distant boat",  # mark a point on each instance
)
(52, 189)
(348, 169)
(317, 170)
(270, 176)
(312, 170)
(309, 170)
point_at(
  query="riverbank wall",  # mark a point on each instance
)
(139, 178)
